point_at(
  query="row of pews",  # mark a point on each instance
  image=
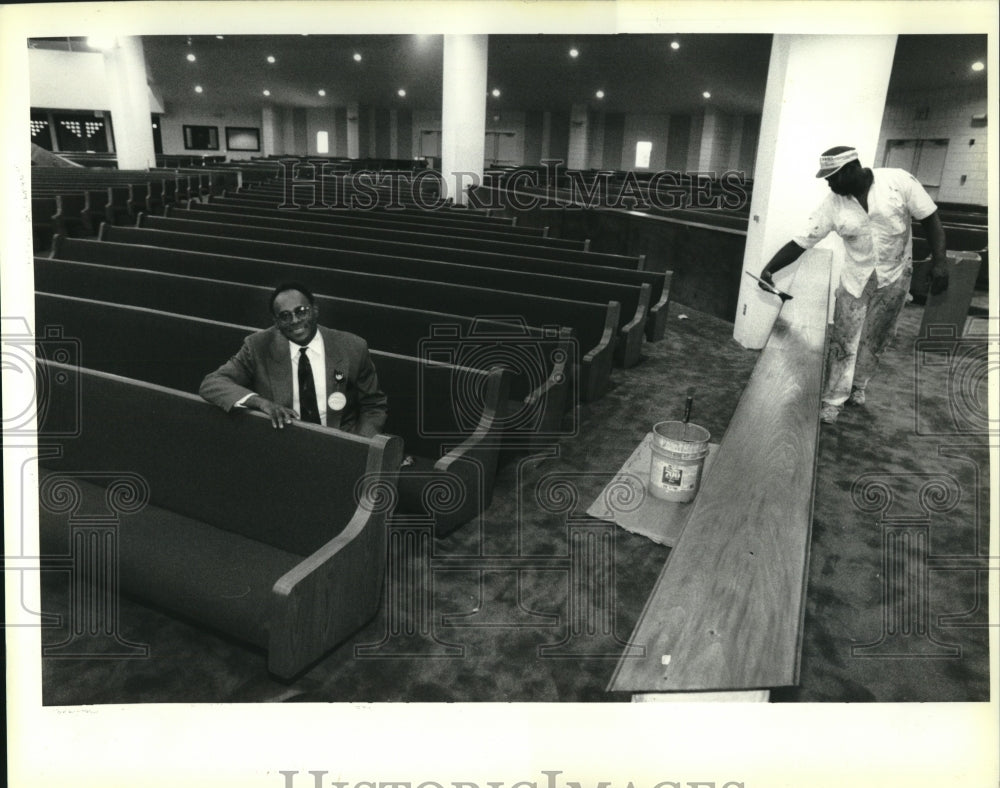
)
(696, 226)
(486, 339)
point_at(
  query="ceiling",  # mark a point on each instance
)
(638, 73)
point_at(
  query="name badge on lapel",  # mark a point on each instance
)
(337, 400)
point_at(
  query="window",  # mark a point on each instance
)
(242, 139)
(77, 131)
(41, 130)
(322, 142)
(201, 138)
(643, 149)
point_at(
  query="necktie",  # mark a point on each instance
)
(307, 390)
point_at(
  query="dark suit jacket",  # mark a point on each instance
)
(263, 366)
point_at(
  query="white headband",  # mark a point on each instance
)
(828, 165)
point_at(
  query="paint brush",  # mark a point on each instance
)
(771, 288)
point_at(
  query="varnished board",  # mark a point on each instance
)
(726, 611)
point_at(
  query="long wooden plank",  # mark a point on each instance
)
(727, 609)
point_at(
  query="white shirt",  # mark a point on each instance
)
(316, 350)
(878, 240)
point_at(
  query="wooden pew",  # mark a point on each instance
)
(377, 219)
(421, 262)
(43, 211)
(293, 566)
(595, 324)
(726, 612)
(275, 197)
(453, 440)
(539, 360)
(69, 217)
(395, 215)
(423, 236)
(659, 282)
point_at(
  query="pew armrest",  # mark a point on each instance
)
(629, 345)
(656, 326)
(474, 462)
(595, 365)
(337, 589)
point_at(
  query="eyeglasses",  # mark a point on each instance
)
(286, 318)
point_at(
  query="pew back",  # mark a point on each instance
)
(278, 488)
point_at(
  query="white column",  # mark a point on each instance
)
(353, 130)
(816, 98)
(268, 131)
(579, 121)
(706, 149)
(125, 67)
(736, 143)
(463, 113)
(393, 134)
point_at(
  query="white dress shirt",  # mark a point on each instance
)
(877, 240)
(316, 350)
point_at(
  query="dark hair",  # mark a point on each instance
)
(285, 286)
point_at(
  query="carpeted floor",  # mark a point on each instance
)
(896, 599)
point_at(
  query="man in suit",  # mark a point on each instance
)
(297, 369)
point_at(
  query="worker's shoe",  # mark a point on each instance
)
(857, 397)
(828, 413)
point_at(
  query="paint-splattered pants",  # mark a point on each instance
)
(862, 327)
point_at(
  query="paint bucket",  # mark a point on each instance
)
(679, 451)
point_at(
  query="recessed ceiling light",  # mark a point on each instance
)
(496, 92)
(401, 93)
(198, 89)
(267, 92)
(675, 44)
(706, 94)
(220, 37)
(599, 94)
(270, 58)
(574, 52)
(191, 58)
(357, 57)
(321, 92)
(978, 65)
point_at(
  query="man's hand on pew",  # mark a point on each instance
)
(938, 279)
(279, 414)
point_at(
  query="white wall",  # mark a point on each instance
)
(579, 132)
(652, 128)
(949, 117)
(510, 120)
(173, 121)
(71, 80)
(694, 141)
(321, 119)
